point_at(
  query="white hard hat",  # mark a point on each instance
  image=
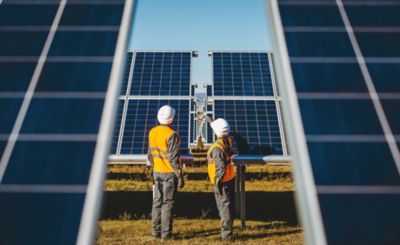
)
(220, 127)
(166, 114)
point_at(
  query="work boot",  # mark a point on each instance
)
(167, 237)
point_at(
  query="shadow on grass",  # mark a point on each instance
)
(262, 206)
(259, 231)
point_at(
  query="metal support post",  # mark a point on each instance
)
(241, 194)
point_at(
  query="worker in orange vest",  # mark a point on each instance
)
(164, 144)
(222, 175)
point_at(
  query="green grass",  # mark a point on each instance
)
(198, 231)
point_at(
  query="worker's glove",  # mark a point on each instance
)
(148, 165)
(181, 182)
(216, 181)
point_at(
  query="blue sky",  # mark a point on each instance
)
(200, 25)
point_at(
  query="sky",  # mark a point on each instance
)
(201, 25)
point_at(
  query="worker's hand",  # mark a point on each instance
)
(216, 181)
(181, 182)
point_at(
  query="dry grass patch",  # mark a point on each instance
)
(198, 231)
(198, 185)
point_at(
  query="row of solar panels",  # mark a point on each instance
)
(244, 93)
(57, 59)
(343, 59)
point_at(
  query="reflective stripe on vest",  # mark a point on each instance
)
(229, 169)
(158, 146)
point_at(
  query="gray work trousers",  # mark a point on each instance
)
(164, 189)
(225, 197)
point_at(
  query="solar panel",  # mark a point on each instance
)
(141, 116)
(242, 74)
(127, 73)
(55, 62)
(161, 73)
(344, 57)
(117, 127)
(245, 94)
(254, 125)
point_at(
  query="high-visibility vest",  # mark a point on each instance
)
(158, 144)
(225, 147)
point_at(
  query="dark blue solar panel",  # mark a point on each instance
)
(142, 116)
(74, 76)
(254, 125)
(2, 146)
(209, 90)
(297, 15)
(63, 116)
(344, 117)
(84, 43)
(371, 14)
(377, 216)
(161, 73)
(117, 127)
(22, 43)
(46, 177)
(241, 74)
(310, 75)
(15, 76)
(338, 163)
(27, 15)
(385, 76)
(27, 217)
(391, 107)
(106, 14)
(312, 44)
(347, 146)
(46, 166)
(379, 44)
(8, 113)
(127, 72)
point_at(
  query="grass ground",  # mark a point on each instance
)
(198, 231)
(265, 179)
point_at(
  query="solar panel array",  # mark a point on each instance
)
(254, 124)
(55, 64)
(161, 73)
(142, 116)
(153, 80)
(241, 74)
(245, 95)
(345, 60)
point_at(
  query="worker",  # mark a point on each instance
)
(164, 144)
(222, 175)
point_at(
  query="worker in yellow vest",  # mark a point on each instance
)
(164, 144)
(222, 175)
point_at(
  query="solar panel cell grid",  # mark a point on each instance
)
(142, 116)
(127, 72)
(254, 125)
(117, 127)
(241, 74)
(161, 73)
